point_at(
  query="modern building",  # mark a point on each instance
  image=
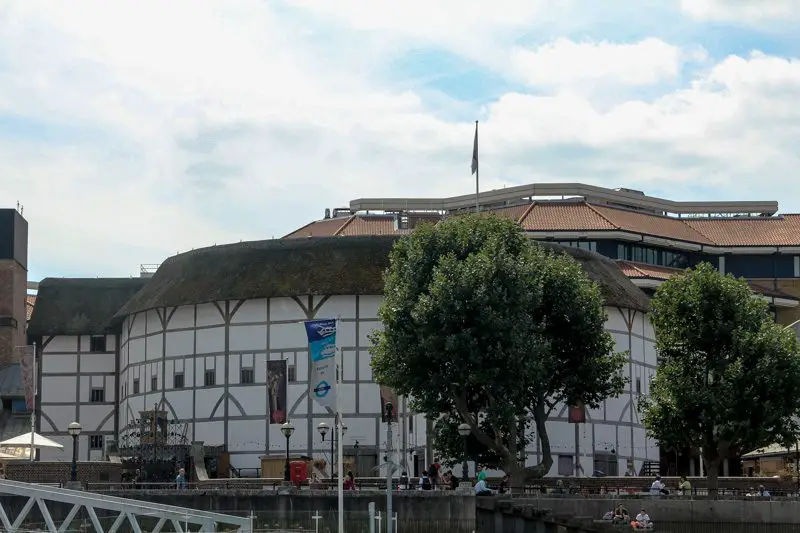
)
(651, 238)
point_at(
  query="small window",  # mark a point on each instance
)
(638, 385)
(210, 378)
(136, 386)
(177, 381)
(98, 395)
(247, 376)
(411, 424)
(97, 343)
(96, 442)
(154, 383)
(291, 373)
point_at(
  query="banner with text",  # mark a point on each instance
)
(27, 367)
(322, 352)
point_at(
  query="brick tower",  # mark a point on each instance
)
(13, 283)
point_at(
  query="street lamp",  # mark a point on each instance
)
(287, 429)
(323, 429)
(464, 430)
(74, 430)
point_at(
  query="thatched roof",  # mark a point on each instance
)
(80, 306)
(261, 269)
(322, 265)
(617, 289)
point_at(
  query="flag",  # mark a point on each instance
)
(27, 367)
(322, 352)
(475, 151)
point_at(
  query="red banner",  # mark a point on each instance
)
(577, 414)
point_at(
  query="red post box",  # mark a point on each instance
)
(299, 472)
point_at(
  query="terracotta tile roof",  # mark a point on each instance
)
(30, 302)
(659, 226)
(636, 270)
(576, 216)
(573, 216)
(321, 228)
(370, 225)
(643, 270)
(774, 231)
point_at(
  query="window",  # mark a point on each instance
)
(638, 385)
(96, 442)
(210, 378)
(247, 376)
(97, 343)
(566, 465)
(585, 245)
(291, 373)
(136, 386)
(154, 383)
(97, 395)
(177, 381)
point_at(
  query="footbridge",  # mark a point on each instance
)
(28, 507)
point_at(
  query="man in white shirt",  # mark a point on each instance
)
(657, 487)
(643, 520)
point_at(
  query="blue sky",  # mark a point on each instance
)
(134, 130)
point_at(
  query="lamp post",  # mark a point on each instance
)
(74, 430)
(287, 429)
(464, 430)
(324, 429)
(356, 465)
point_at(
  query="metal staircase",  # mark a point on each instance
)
(112, 512)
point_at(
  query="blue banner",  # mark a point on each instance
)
(322, 354)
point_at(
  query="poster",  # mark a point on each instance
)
(322, 354)
(389, 395)
(276, 388)
(577, 413)
(27, 367)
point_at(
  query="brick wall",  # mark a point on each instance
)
(13, 290)
(60, 471)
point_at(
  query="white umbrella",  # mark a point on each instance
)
(24, 441)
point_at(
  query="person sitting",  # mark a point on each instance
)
(349, 483)
(621, 514)
(480, 487)
(404, 481)
(762, 492)
(684, 486)
(503, 488)
(658, 488)
(642, 521)
(425, 481)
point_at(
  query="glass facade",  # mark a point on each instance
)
(773, 266)
(652, 255)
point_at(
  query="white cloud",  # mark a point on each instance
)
(741, 10)
(201, 122)
(566, 63)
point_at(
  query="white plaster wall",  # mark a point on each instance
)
(192, 340)
(68, 372)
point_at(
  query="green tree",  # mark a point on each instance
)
(482, 325)
(727, 376)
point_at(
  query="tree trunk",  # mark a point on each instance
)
(542, 469)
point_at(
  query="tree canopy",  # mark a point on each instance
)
(727, 376)
(483, 326)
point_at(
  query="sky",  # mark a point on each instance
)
(134, 130)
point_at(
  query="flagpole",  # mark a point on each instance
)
(339, 434)
(35, 380)
(476, 170)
